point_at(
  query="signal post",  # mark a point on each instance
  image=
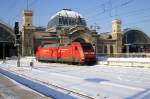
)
(17, 42)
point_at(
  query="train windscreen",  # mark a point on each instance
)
(87, 46)
(47, 45)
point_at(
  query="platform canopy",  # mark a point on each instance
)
(135, 36)
(6, 33)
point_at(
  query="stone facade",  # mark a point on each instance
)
(111, 43)
(78, 33)
(117, 35)
(31, 38)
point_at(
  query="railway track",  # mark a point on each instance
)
(68, 91)
(84, 96)
(56, 87)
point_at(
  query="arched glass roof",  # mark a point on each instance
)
(6, 33)
(134, 36)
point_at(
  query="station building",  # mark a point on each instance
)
(68, 26)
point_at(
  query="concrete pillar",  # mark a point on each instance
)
(108, 49)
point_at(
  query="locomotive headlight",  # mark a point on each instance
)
(91, 52)
(86, 53)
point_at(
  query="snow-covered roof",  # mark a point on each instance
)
(66, 18)
(67, 13)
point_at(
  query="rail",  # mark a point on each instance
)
(69, 91)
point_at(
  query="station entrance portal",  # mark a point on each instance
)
(79, 40)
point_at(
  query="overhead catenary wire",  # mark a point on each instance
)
(108, 10)
(140, 19)
(125, 14)
(116, 7)
(33, 3)
(28, 5)
(135, 22)
(128, 24)
(11, 7)
(101, 8)
(95, 8)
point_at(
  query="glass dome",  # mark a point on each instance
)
(66, 17)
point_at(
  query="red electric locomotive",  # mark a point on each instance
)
(74, 53)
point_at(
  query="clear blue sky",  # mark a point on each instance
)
(133, 13)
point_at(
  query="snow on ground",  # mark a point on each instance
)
(10, 89)
(97, 81)
(135, 59)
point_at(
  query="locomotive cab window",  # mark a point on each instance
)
(87, 46)
(76, 48)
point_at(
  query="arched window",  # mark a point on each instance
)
(60, 21)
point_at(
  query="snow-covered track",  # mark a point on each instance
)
(98, 81)
(25, 80)
(84, 96)
(66, 90)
